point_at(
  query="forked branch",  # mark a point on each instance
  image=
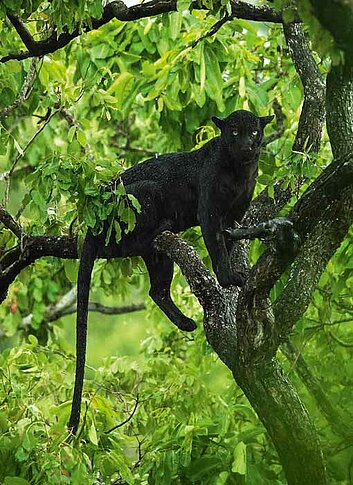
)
(117, 9)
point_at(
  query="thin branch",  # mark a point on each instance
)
(22, 31)
(117, 9)
(7, 175)
(67, 306)
(129, 418)
(25, 90)
(109, 310)
(312, 384)
(280, 117)
(213, 30)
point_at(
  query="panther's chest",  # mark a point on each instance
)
(233, 187)
(234, 196)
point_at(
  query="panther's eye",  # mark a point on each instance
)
(235, 133)
(255, 132)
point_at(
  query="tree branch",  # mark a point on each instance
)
(311, 261)
(311, 121)
(219, 304)
(25, 90)
(67, 306)
(129, 418)
(313, 112)
(312, 384)
(35, 247)
(7, 175)
(117, 9)
(10, 223)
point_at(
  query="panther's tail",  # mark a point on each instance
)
(88, 256)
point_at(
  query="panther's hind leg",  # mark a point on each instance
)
(160, 269)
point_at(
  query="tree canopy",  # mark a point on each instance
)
(89, 89)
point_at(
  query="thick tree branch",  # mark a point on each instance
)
(117, 9)
(317, 215)
(311, 261)
(34, 248)
(219, 304)
(311, 121)
(312, 117)
(270, 266)
(10, 223)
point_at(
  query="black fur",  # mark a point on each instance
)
(211, 187)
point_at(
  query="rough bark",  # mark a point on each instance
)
(287, 421)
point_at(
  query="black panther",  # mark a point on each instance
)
(211, 187)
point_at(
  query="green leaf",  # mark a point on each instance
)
(38, 199)
(214, 81)
(92, 434)
(239, 459)
(121, 87)
(241, 87)
(71, 269)
(135, 203)
(175, 22)
(71, 133)
(117, 230)
(81, 137)
(18, 147)
(183, 5)
(15, 481)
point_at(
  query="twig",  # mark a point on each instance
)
(7, 175)
(280, 117)
(128, 418)
(25, 90)
(214, 29)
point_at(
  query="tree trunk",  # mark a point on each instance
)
(240, 330)
(339, 105)
(287, 421)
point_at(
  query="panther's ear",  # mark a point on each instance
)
(218, 122)
(265, 120)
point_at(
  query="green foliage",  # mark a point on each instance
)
(111, 98)
(182, 429)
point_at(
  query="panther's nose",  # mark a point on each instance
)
(247, 144)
